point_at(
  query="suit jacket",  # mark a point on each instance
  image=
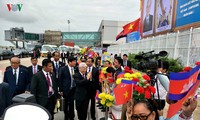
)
(39, 88)
(82, 87)
(64, 80)
(30, 70)
(62, 55)
(59, 66)
(94, 83)
(5, 97)
(146, 26)
(23, 81)
(128, 64)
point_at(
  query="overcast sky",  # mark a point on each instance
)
(85, 15)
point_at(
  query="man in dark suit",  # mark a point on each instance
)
(5, 97)
(49, 55)
(94, 85)
(57, 64)
(82, 91)
(148, 21)
(67, 87)
(17, 77)
(126, 62)
(44, 87)
(63, 56)
(34, 68)
(118, 62)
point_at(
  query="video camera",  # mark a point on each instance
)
(150, 61)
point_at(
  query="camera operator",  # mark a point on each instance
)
(162, 91)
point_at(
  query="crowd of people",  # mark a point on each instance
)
(78, 81)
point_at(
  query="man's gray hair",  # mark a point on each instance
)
(82, 64)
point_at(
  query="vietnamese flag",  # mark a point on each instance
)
(131, 27)
(123, 93)
(128, 28)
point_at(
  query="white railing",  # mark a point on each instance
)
(184, 45)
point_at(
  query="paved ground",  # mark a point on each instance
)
(60, 115)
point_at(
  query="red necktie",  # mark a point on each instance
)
(49, 85)
(34, 70)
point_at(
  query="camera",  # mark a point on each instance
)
(149, 62)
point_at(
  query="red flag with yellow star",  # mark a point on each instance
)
(123, 93)
(131, 27)
(128, 28)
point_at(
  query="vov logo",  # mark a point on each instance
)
(14, 7)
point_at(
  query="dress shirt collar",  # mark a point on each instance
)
(17, 70)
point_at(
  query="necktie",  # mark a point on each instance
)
(56, 66)
(15, 75)
(34, 70)
(84, 76)
(89, 69)
(49, 85)
(72, 78)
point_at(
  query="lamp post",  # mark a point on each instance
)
(68, 21)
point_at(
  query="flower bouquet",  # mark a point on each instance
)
(106, 99)
(141, 86)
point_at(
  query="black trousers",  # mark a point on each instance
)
(69, 105)
(63, 60)
(51, 105)
(82, 107)
(93, 103)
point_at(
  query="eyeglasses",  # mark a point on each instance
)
(136, 117)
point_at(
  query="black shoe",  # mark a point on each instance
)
(103, 110)
(99, 105)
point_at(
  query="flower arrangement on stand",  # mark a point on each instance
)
(107, 101)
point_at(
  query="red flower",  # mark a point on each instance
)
(146, 77)
(152, 89)
(197, 63)
(139, 89)
(187, 68)
(136, 79)
(126, 68)
(147, 94)
(109, 74)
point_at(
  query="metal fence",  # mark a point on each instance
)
(184, 45)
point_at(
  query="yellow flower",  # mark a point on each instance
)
(118, 81)
(111, 98)
(127, 75)
(108, 104)
(102, 101)
(104, 70)
(102, 95)
(107, 96)
(133, 75)
(138, 74)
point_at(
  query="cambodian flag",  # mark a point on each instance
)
(182, 86)
(181, 83)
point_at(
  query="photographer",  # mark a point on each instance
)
(162, 91)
